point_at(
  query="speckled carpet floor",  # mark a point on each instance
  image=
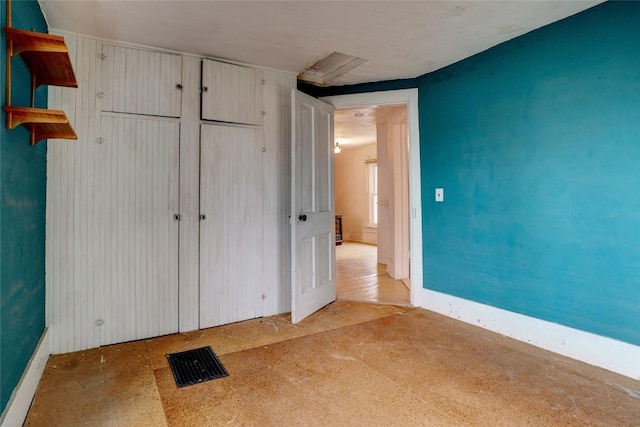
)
(350, 364)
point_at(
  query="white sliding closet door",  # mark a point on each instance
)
(231, 228)
(137, 169)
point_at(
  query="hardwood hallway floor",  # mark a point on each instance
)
(361, 278)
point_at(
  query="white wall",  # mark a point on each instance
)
(393, 188)
(277, 187)
(351, 192)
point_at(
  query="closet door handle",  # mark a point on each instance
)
(302, 218)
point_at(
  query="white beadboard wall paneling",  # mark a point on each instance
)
(250, 94)
(72, 237)
(189, 256)
(141, 81)
(231, 251)
(277, 201)
(233, 93)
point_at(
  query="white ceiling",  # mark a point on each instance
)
(399, 39)
(355, 126)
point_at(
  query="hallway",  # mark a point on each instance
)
(361, 278)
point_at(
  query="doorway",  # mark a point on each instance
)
(413, 226)
(372, 203)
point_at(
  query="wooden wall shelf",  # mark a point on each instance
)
(46, 56)
(42, 123)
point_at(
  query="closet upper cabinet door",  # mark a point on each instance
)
(231, 93)
(141, 82)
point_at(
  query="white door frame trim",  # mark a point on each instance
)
(410, 98)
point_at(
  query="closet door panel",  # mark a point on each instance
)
(141, 82)
(231, 199)
(231, 93)
(138, 169)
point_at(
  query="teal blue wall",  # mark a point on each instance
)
(537, 145)
(22, 219)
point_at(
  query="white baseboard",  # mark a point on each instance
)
(17, 408)
(607, 353)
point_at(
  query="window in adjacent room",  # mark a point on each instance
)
(372, 193)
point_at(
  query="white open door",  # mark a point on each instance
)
(313, 247)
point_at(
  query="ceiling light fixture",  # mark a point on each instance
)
(337, 149)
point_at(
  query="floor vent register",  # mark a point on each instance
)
(195, 366)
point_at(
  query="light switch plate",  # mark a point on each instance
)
(439, 194)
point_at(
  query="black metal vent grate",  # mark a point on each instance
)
(195, 366)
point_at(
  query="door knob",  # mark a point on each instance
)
(302, 217)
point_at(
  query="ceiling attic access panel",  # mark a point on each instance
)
(231, 93)
(139, 81)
